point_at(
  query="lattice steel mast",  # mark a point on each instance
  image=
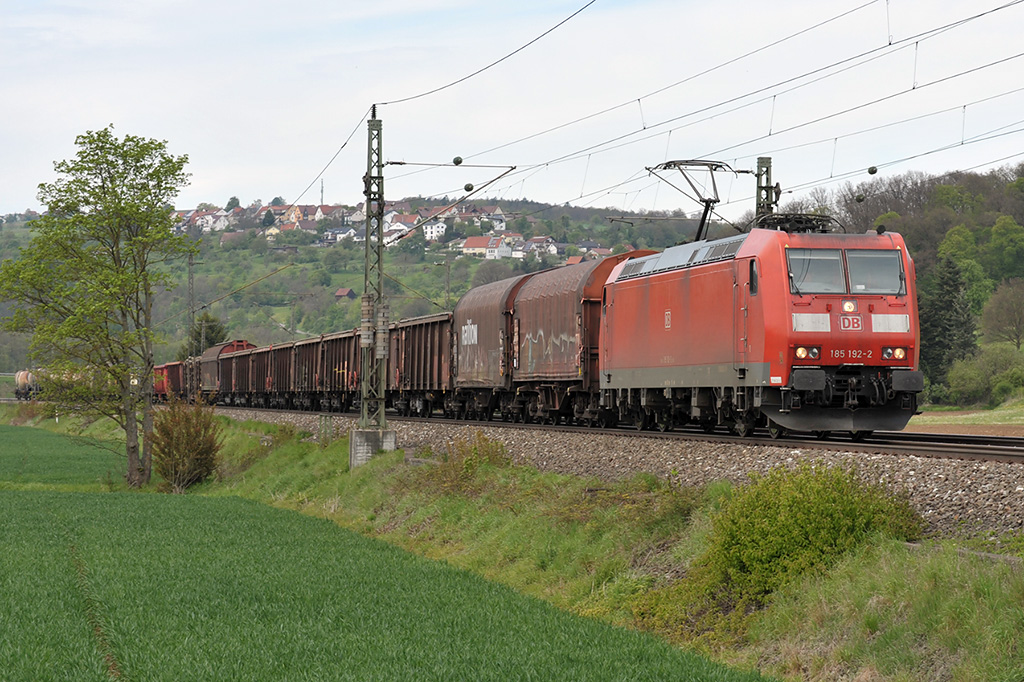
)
(374, 319)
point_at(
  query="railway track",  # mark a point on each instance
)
(939, 445)
(943, 445)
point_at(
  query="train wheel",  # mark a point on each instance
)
(708, 426)
(665, 424)
(822, 435)
(776, 431)
(858, 436)
(743, 427)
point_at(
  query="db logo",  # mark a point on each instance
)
(850, 323)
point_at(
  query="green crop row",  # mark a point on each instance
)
(157, 587)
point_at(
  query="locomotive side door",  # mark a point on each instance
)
(744, 284)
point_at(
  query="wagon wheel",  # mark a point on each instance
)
(822, 435)
(708, 426)
(858, 436)
(776, 431)
(743, 427)
(665, 424)
(641, 421)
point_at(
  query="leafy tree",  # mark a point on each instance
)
(334, 259)
(411, 248)
(205, 332)
(947, 325)
(957, 198)
(1003, 317)
(959, 244)
(268, 218)
(319, 277)
(979, 286)
(85, 286)
(278, 201)
(491, 271)
(1004, 253)
(232, 204)
(206, 206)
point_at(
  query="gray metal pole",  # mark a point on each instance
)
(374, 318)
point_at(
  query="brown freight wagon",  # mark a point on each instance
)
(482, 324)
(260, 379)
(175, 378)
(207, 370)
(280, 388)
(236, 372)
(307, 373)
(556, 326)
(341, 370)
(419, 363)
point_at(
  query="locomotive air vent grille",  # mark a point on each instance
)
(632, 269)
(682, 256)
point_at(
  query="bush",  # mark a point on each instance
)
(186, 441)
(457, 467)
(989, 377)
(770, 532)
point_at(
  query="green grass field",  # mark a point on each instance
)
(32, 458)
(7, 387)
(95, 586)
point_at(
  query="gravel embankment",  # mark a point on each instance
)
(956, 497)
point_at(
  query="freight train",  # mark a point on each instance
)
(794, 325)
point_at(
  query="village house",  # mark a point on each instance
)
(476, 246)
(433, 230)
(344, 294)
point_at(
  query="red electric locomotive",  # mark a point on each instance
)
(796, 327)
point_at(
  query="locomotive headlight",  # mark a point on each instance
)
(894, 353)
(849, 306)
(807, 352)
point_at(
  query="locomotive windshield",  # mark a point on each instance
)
(816, 271)
(875, 272)
(824, 271)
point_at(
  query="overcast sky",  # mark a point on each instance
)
(261, 95)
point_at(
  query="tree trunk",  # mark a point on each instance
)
(147, 433)
(135, 474)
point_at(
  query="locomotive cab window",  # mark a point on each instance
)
(875, 272)
(816, 271)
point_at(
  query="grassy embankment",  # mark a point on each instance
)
(1010, 413)
(631, 554)
(96, 586)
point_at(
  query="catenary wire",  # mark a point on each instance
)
(492, 64)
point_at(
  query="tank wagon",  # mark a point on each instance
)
(25, 385)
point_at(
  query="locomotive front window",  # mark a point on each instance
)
(875, 272)
(816, 271)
